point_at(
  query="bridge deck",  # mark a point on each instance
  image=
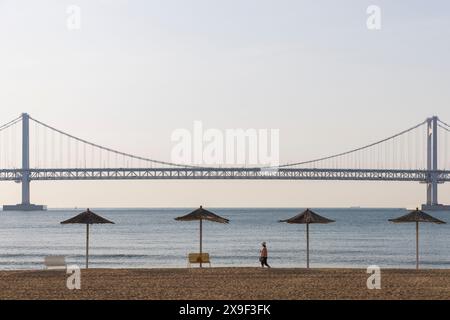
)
(225, 173)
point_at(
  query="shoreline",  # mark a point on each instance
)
(237, 283)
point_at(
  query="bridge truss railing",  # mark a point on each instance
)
(224, 173)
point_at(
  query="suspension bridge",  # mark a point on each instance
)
(31, 150)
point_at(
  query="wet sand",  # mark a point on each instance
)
(226, 283)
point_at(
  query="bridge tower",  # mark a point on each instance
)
(25, 181)
(432, 166)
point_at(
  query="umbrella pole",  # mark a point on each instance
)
(87, 246)
(307, 246)
(417, 245)
(201, 239)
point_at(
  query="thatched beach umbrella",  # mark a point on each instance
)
(307, 217)
(202, 214)
(417, 216)
(87, 218)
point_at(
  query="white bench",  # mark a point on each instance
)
(55, 262)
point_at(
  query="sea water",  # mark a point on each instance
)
(151, 238)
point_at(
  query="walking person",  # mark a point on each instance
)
(263, 255)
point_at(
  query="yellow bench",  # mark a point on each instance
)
(198, 258)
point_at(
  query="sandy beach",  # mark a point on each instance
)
(226, 283)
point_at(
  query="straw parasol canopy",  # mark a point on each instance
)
(201, 214)
(307, 217)
(417, 216)
(87, 218)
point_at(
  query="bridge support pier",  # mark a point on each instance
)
(25, 205)
(432, 166)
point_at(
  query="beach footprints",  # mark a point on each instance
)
(374, 280)
(73, 281)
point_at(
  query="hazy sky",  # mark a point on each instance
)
(138, 70)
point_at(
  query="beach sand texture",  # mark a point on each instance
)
(226, 283)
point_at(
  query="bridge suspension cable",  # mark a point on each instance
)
(109, 150)
(9, 157)
(443, 127)
(444, 147)
(443, 123)
(390, 138)
(403, 150)
(10, 123)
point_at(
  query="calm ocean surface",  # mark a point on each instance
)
(148, 238)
